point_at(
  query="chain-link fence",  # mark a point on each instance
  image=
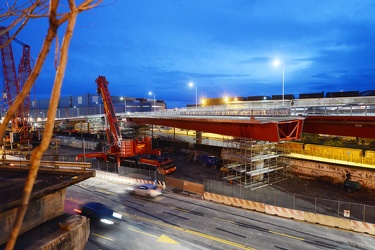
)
(340, 209)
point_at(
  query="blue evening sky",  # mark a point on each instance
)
(225, 47)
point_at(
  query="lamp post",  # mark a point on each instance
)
(196, 93)
(150, 93)
(124, 98)
(277, 63)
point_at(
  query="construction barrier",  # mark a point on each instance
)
(217, 198)
(362, 227)
(285, 212)
(328, 220)
(357, 226)
(193, 187)
(250, 205)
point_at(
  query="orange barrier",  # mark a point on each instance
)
(362, 227)
(218, 198)
(285, 212)
(250, 205)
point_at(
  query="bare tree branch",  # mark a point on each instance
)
(37, 153)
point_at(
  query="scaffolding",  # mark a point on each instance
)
(253, 164)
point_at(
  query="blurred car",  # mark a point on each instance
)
(99, 212)
(148, 190)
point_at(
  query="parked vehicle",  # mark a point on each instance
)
(148, 190)
(351, 186)
(99, 213)
(211, 161)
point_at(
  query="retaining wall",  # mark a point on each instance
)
(73, 234)
(38, 211)
(336, 173)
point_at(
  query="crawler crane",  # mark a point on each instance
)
(136, 152)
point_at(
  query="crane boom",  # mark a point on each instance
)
(11, 85)
(114, 134)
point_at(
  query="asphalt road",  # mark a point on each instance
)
(173, 221)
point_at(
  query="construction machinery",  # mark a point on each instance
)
(135, 152)
(13, 84)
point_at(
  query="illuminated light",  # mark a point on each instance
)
(117, 215)
(106, 221)
(276, 63)
(191, 84)
(78, 211)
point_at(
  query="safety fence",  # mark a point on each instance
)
(333, 208)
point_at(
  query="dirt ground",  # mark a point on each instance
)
(193, 171)
(325, 190)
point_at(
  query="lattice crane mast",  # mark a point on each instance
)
(114, 133)
(13, 83)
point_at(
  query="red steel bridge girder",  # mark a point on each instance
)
(356, 126)
(266, 131)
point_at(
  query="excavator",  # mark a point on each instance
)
(137, 152)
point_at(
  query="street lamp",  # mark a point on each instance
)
(276, 63)
(124, 98)
(150, 93)
(196, 93)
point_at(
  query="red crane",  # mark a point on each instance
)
(136, 152)
(13, 83)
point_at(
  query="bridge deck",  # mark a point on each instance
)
(272, 129)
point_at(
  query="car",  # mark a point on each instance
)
(211, 161)
(351, 186)
(148, 190)
(99, 213)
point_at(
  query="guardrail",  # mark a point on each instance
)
(47, 164)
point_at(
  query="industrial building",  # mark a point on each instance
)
(92, 104)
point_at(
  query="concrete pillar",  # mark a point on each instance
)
(198, 137)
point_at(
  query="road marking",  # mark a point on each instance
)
(101, 236)
(272, 232)
(104, 191)
(192, 232)
(181, 209)
(287, 235)
(162, 238)
(217, 218)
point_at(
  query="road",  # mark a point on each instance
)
(174, 221)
